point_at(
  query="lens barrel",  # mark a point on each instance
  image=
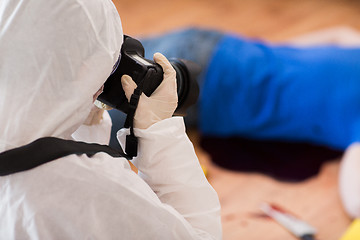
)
(187, 86)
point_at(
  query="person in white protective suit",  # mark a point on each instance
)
(55, 56)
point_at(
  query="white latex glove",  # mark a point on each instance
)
(97, 111)
(162, 102)
(94, 117)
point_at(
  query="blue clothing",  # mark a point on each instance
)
(260, 91)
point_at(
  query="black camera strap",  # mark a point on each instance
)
(131, 145)
(47, 149)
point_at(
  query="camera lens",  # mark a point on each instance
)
(187, 87)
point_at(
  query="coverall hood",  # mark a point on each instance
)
(54, 56)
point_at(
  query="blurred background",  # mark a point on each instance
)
(274, 20)
(315, 200)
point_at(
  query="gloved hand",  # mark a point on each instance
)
(162, 102)
(94, 117)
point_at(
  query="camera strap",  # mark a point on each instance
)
(47, 149)
(131, 145)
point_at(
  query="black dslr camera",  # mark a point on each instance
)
(150, 75)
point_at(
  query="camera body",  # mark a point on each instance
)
(150, 75)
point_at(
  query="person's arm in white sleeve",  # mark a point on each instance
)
(349, 180)
(167, 160)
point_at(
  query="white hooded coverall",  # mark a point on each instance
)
(54, 55)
